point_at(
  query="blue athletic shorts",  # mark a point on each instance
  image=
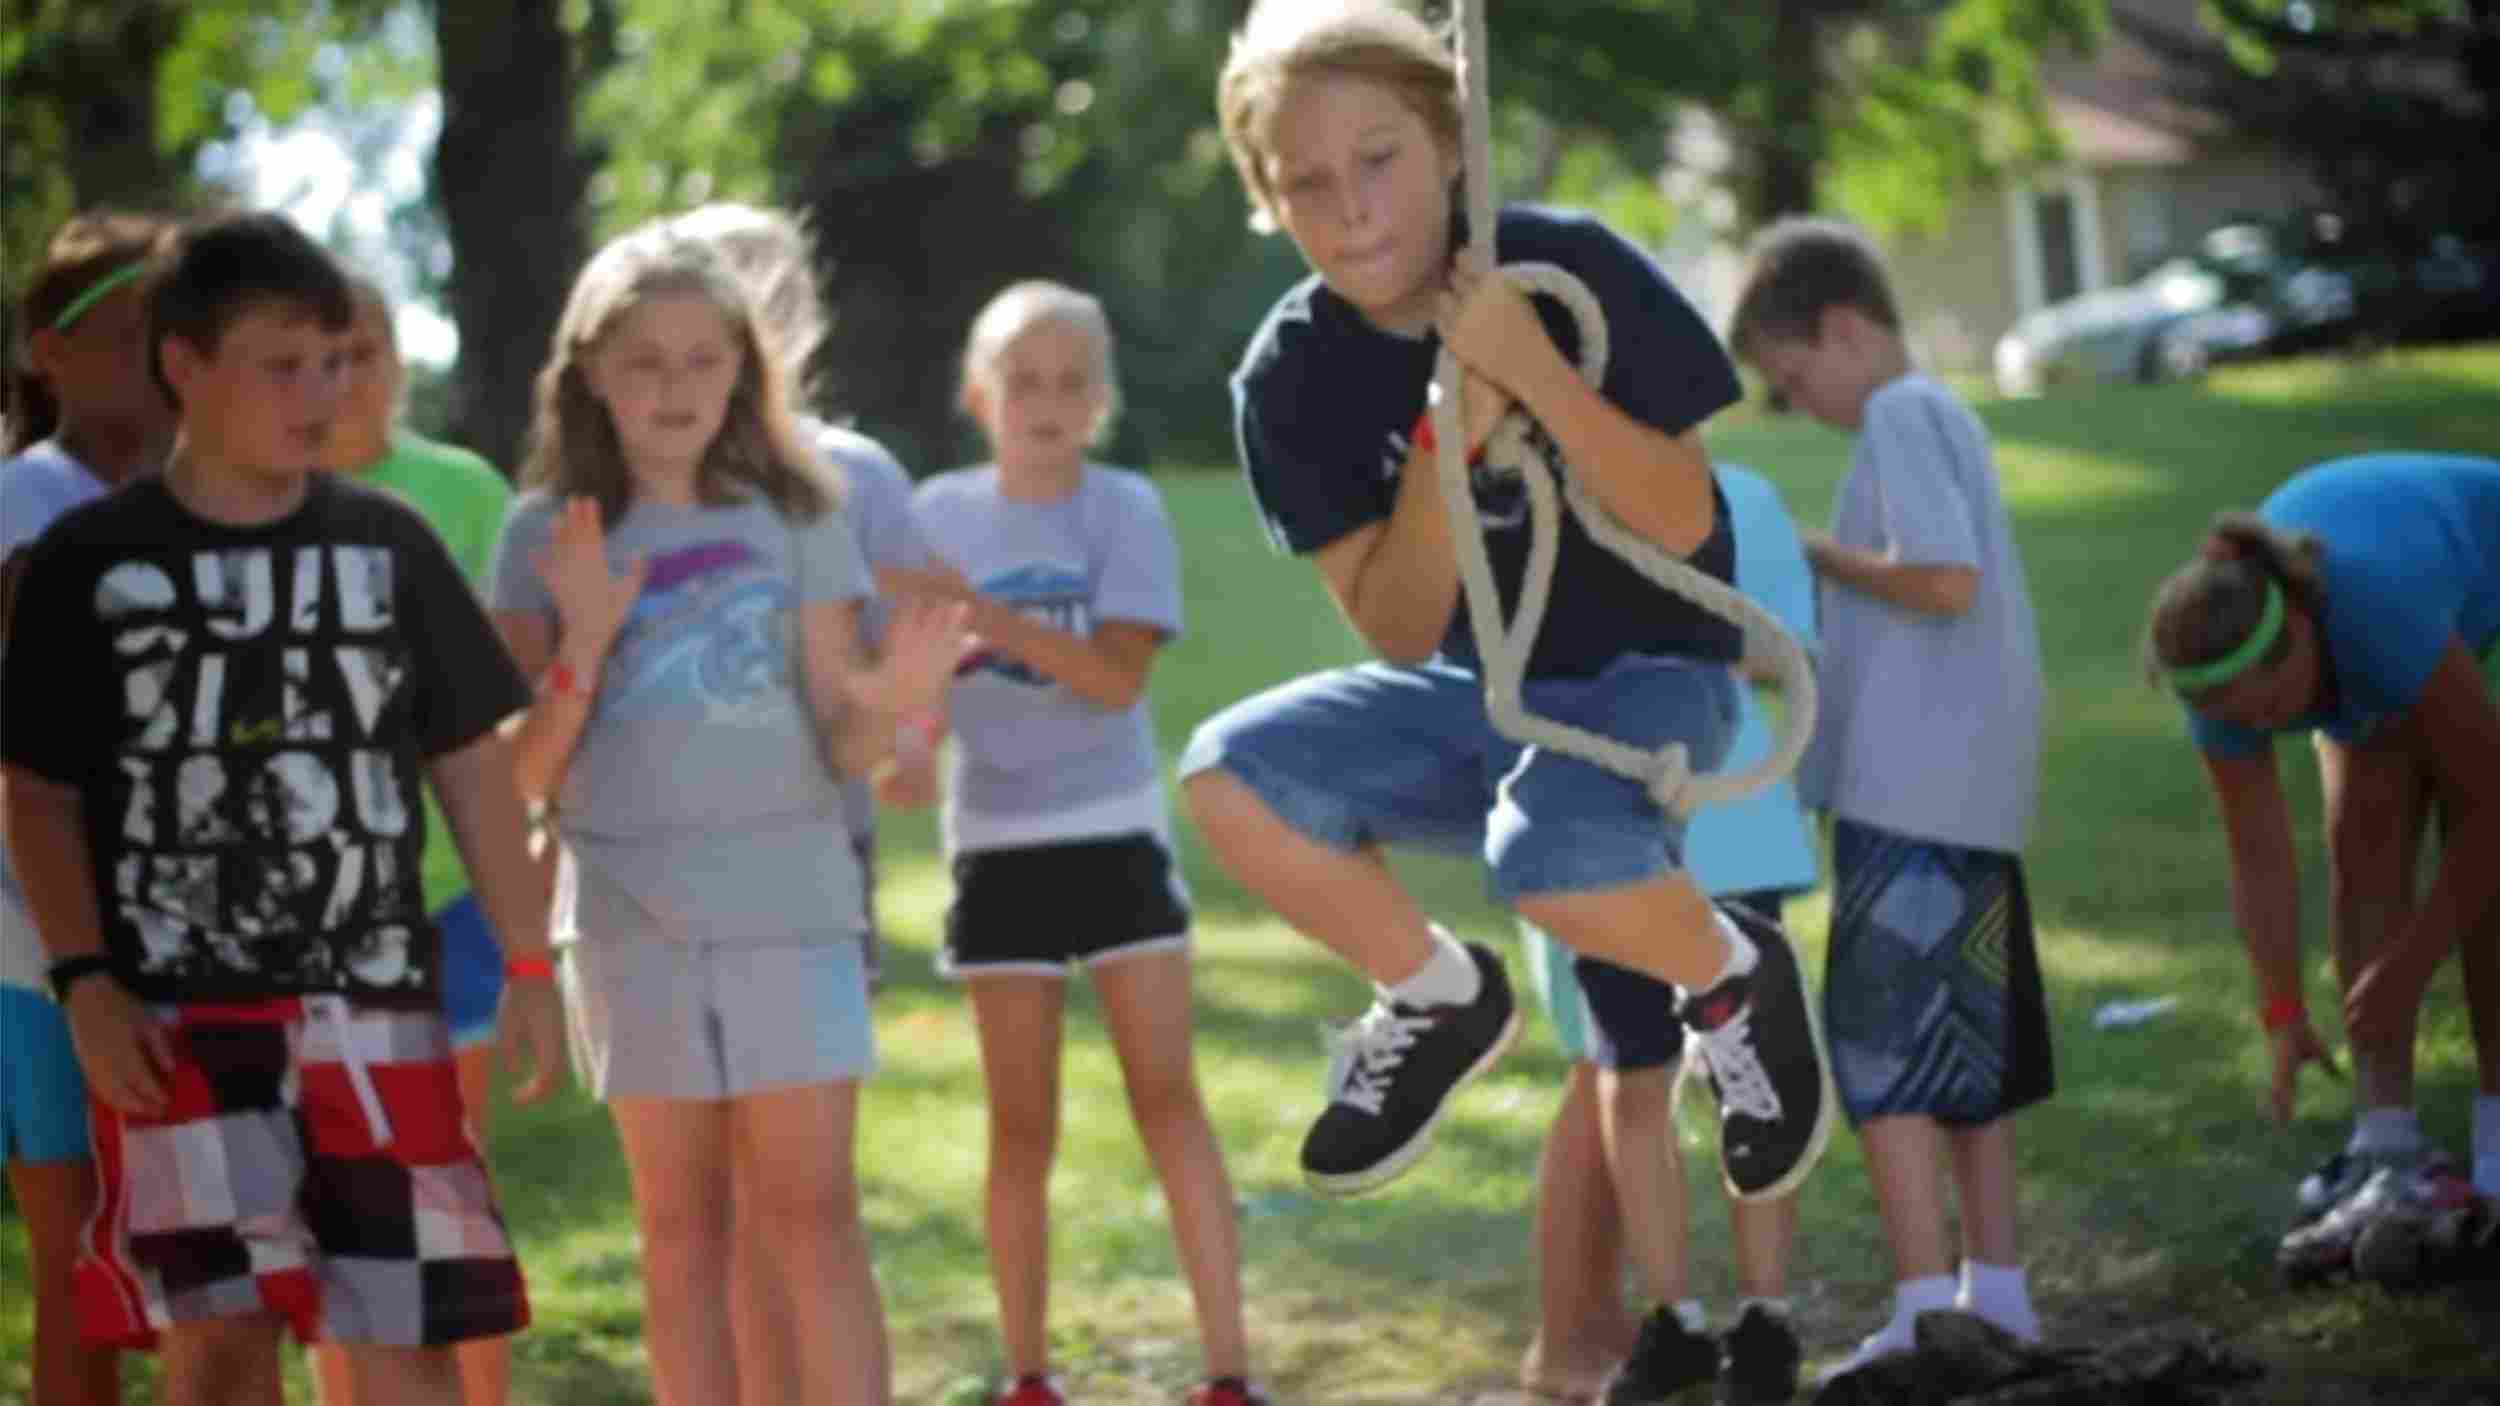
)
(43, 1099)
(472, 973)
(1932, 997)
(1393, 755)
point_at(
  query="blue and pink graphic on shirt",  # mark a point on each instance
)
(710, 632)
(1054, 593)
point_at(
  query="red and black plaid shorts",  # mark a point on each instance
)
(313, 1161)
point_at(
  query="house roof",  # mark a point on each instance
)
(2122, 105)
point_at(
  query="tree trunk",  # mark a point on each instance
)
(511, 184)
(1792, 145)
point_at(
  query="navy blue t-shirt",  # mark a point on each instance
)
(1324, 401)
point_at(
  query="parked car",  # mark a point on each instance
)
(2240, 292)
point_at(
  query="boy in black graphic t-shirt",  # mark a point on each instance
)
(225, 688)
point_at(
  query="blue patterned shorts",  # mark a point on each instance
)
(1931, 994)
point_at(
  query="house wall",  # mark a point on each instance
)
(1959, 286)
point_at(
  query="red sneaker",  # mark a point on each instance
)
(1226, 1391)
(1032, 1390)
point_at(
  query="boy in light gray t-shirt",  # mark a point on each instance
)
(1927, 755)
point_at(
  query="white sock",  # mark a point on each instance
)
(1742, 955)
(1910, 1298)
(1777, 1308)
(2002, 1295)
(2385, 1130)
(2487, 1144)
(1448, 978)
(1695, 1318)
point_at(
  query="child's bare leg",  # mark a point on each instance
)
(1648, 1177)
(815, 1328)
(677, 1151)
(222, 1362)
(402, 1376)
(1663, 928)
(1994, 1285)
(1983, 1174)
(1583, 1327)
(1019, 1018)
(1347, 901)
(1905, 1156)
(1146, 1002)
(1765, 1234)
(53, 1198)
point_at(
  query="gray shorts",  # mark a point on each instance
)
(696, 1020)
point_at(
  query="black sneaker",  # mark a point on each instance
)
(1761, 1051)
(1758, 1359)
(1668, 1360)
(1393, 1074)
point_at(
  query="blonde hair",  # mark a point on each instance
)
(1285, 41)
(1019, 309)
(2210, 606)
(773, 253)
(573, 448)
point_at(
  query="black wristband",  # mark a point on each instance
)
(69, 971)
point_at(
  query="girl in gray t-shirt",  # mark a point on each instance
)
(680, 579)
(1054, 814)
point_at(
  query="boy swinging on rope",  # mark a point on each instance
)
(1344, 123)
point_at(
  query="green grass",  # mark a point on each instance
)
(2152, 1186)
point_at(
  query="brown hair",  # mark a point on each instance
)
(1284, 41)
(573, 448)
(773, 252)
(2210, 606)
(86, 248)
(1797, 268)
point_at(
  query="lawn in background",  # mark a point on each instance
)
(2153, 1189)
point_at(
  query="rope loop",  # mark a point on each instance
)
(1666, 773)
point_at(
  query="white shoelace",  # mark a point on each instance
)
(1364, 1054)
(1744, 1085)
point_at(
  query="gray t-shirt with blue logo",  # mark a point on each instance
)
(1928, 727)
(700, 804)
(1034, 762)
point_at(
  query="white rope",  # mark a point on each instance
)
(1667, 772)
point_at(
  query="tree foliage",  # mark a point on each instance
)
(2391, 106)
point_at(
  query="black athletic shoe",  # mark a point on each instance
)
(1393, 1074)
(1758, 1359)
(1668, 1360)
(1761, 1051)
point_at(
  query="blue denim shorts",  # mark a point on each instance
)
(1381, 754)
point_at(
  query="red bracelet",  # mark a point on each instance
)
(561, 680)
(1423, 438)
(2282, 1013)
(529, 969)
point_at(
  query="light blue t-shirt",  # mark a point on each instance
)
(1928, 726)
(1033, 762)
(1762, 841)
(36, 487)
(700, 804)
(2412, 561)
(876, 501)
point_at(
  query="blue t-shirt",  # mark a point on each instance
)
(2412, 561)
(1763, 841)
(1324, 401)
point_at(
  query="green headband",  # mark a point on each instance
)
(97, 292)
(2196, 678)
